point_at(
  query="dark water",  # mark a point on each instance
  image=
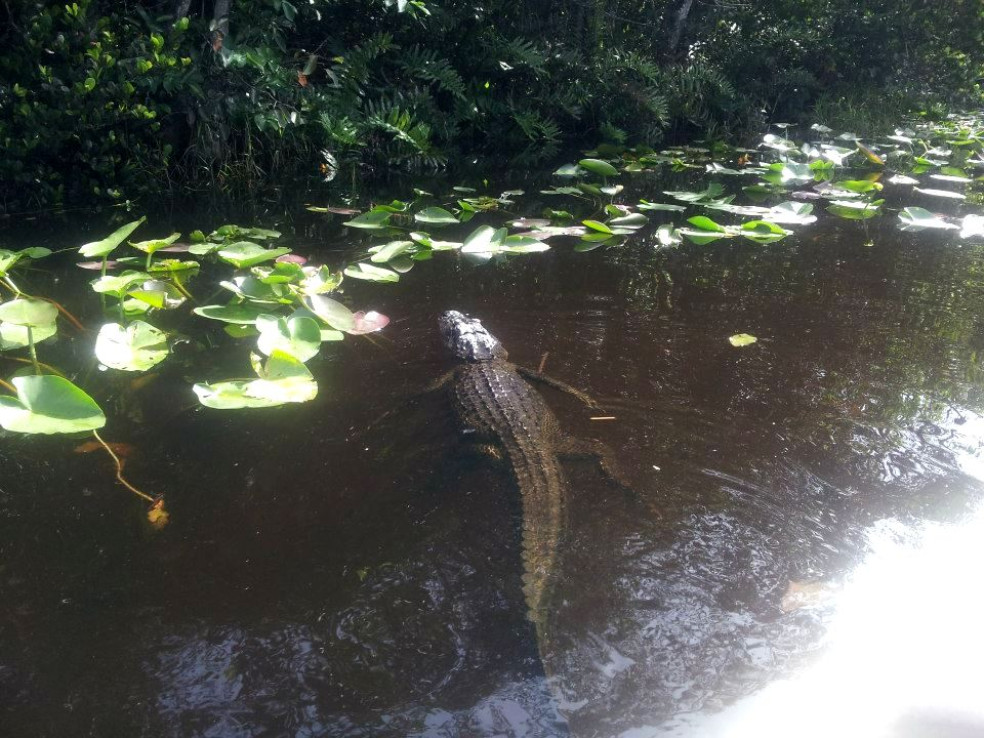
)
(348, 568)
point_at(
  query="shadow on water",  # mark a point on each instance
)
(347, 568)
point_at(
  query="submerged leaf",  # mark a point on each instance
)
(742, 339)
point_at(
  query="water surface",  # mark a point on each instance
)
(349, 567)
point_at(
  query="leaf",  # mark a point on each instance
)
(374, 220)
(599, 167)
(742, 339)
(114, 239)
(644, 205)
(297, 336)
(714, 190)
(49, 404)
(133, 348)
(484, 239)
(667, 235)
(702, 222)
(368, 322)
(598, 226)
(391, 250)
(631, 220)
(283, 379)
(435, 216)
(149, 247)
(244, 254)
(28, 311)
(852, 210)
(371, 273)
(331, 312)
(117, 285)
(920, 218)
(241, 313)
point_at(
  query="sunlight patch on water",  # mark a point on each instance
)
(903, 650)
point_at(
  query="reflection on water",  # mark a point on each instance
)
(796, 554)
(902, 651)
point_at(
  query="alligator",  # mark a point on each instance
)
(498, 408)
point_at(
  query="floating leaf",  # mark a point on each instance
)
(49, 404)
(371, 273)
(28, 311)
(241, 313)
(331, 312)
(484, 240)
(742, 339)
(149, 247)
(595, 225)
(133, 348)
(920, 218)
(105, 246)
(390, 251)
(854, 210)
(374, 220)
(644, 205)
(283, 380)
(297, 336)
(435, 216)
(13, 336)
(599, 167)
(702, 222)
(368, 322)
(244, 254)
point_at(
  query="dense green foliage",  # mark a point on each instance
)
(118, 100)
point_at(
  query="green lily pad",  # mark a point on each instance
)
(28, 311)
(245, 314)
(331, 312)
(920, 218)
(13, 336)
(244, 254)
(297, 336)
(283, 380)
(435, 216)
(156, 244)
(49, 404)
(371, 273)
(599, 167)
(133, 348)
(114, 239)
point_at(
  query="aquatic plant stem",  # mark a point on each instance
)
(119, 471)
(33, 350)
(8, 386)
(47, 367)
(10, 283)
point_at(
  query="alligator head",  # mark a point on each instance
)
(468, 339)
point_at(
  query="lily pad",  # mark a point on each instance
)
(244, 254)
(283, 379)
(915, 219)
(49, 404)
(28, 311)
(114, 239)
(133, 348)
(297, 336)
(599, 167)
